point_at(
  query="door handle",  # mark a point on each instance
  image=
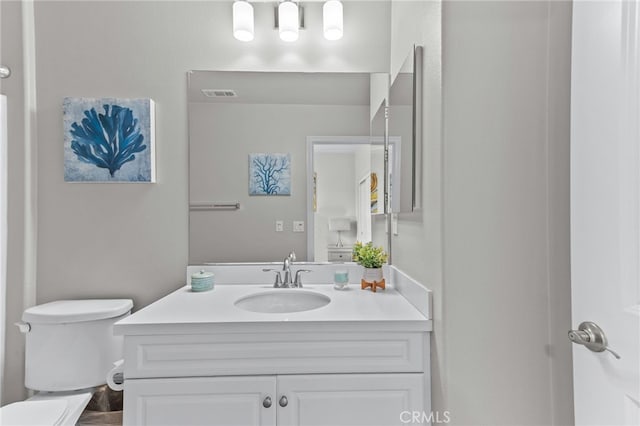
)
(592, 337)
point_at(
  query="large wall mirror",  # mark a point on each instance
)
(234, 115)
(318, 136)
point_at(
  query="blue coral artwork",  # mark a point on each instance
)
(269, 174)
(109, 140)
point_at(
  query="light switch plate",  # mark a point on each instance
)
(298, 226)
(279, 225)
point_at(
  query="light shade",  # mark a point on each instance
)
(288, 21)
(339, 224)
(332, 20)
(243, 20)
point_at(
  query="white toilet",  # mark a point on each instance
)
(70, 348)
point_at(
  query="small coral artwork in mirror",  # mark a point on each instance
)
(269, 174)
(109, 140)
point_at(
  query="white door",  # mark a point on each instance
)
(605, 208)
(203, 401)
(349, 399)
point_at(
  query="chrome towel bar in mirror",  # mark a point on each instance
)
(227, 205)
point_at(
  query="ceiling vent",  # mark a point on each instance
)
(219, 93)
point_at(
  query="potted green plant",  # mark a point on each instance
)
(371, 258)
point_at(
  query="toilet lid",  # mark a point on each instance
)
(68, 311)
(33, 413)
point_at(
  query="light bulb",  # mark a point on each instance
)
(243, 20)
(332, 20)
(288, 21)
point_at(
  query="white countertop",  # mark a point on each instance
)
(187, 312)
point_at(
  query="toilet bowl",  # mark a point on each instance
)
(70, 348)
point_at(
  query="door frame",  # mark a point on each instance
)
(312, 141)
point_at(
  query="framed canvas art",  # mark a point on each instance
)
(109, 140)
(269, 174)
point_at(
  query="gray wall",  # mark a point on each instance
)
(222, 136)
(132, 240)
(501, 278)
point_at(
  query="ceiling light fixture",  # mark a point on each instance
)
(243, 20)
(332, 22)
(288, 21)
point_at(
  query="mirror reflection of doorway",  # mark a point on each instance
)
(336, 167)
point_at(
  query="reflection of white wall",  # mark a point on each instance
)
(336, 197)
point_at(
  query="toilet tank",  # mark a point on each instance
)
(70, 343)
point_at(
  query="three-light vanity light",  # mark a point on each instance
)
(288, 20)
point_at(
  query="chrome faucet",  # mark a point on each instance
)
(286, 267)
(288, 281)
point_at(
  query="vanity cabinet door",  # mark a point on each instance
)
(349, 399)
(210, 401)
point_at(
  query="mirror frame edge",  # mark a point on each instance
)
(418, 70)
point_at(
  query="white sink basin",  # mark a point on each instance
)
(282, 301)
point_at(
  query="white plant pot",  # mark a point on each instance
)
(372, 275)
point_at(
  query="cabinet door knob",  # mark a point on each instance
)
(267, 402)
(283, 401)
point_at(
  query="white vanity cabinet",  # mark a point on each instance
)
(348, 399)
(197, 359)
(327, 377)
(287, 400)
(210, 401)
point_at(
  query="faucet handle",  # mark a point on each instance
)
(292, 256)
(298, 280)
(278, 282)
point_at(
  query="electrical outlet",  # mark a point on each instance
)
(298, 226)
(279, 225)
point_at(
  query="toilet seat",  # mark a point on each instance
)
(50, 409)
(36, 413)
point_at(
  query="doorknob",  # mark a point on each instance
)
(267, 402)
(591, 336)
